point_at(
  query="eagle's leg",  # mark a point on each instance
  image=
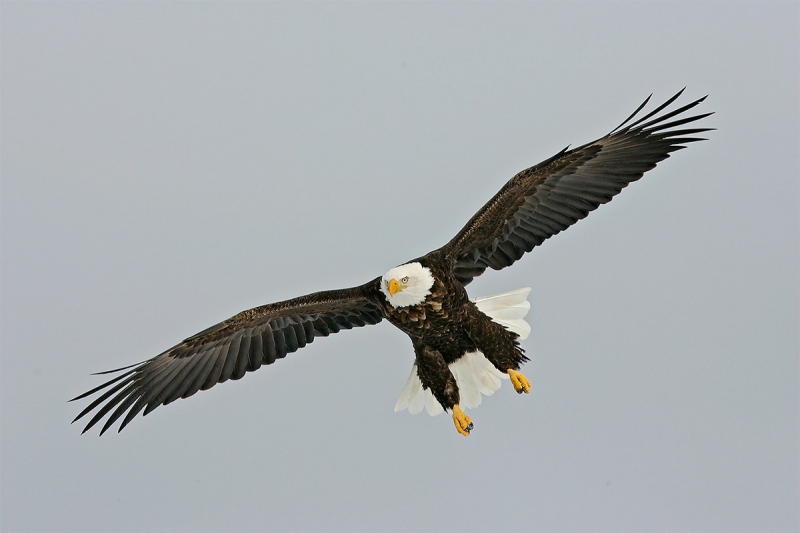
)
(501, 347)
(435, 374)
(463, 422)
(520, 382)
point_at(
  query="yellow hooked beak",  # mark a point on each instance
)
(394, 287)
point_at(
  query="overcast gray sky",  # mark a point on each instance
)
(166, 165)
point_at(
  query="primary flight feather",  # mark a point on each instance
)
(463, 347)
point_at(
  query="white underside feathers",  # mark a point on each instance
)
(474, 374)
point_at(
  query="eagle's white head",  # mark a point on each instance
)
(407, 284)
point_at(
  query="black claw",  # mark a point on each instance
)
(470, 426)
(520, 391)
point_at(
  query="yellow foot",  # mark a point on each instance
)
(462, 421)
(520, 382)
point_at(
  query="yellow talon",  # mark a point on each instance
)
(520, 382)
(462, 421)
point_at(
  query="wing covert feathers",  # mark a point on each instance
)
(229, 350)
(543, 200)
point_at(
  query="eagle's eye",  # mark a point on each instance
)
(405, 279)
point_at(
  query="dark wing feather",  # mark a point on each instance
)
(229, 350)
(545, 199)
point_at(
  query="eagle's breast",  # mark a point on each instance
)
(441, 313)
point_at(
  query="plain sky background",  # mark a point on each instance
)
(166, 165)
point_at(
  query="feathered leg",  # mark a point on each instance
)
(501, 347)
(435, 375)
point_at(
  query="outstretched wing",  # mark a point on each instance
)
(230, 349)
(547, 198)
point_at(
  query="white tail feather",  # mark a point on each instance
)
(474, 374)
(414, 397)
(508, 309)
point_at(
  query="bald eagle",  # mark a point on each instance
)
(463, 347)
